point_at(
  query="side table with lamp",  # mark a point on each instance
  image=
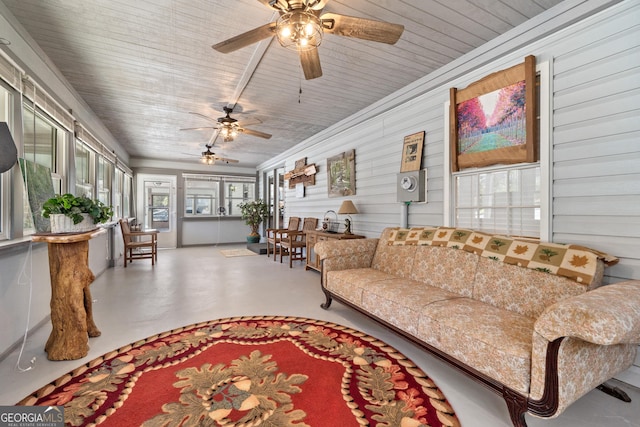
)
(330, 232)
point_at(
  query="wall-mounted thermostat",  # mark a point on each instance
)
(412, 186)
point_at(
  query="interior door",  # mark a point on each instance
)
(156, 207)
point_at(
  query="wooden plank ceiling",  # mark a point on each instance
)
(143, 65)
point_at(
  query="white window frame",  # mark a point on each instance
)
(5, 186)
(545, 109)
(222, 199)
(82, 187)
(59, 165)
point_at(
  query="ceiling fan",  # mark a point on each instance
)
(229, 127)
(300, 27)
(208, 157)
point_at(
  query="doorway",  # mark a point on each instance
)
(275, 198)
(156, 206)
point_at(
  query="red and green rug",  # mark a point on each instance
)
(251, 371)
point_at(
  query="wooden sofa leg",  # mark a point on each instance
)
(517, 406)
(328, 301)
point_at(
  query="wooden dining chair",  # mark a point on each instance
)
(274, 235)
(293, 244)
(139, 244)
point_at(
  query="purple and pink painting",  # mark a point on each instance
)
(493, 120)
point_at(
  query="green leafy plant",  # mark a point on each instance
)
(254, 213)
(73, 206)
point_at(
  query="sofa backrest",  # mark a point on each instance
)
(446, 268)
(435, 266)
(393, 260)
(523, 290)
(512, 287)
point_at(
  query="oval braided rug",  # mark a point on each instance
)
(251, 371)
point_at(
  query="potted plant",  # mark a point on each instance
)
(253, 214)
(69, 213)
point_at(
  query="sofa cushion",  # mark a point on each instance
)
(444, 268)
(350, 283)
(400, 301)
(397, 261)
(493, 341)
(524, 291)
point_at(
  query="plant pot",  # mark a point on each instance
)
(63, 224)
(253, 239)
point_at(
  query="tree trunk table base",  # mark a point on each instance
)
(71, 304)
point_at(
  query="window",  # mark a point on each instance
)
(126, 196)
(201, 197)
(85, 170)
(216, 194)
(105, 170)
(505, 200)
(44, 143)
(236, 193)
(512, 200)
(116, 202)
(5, 116)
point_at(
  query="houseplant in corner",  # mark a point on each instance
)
(75, 214)
(253, 214)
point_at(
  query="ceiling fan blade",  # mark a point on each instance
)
(249, 122)
(361, 28)
(246, 39)
(279, 5)
(205, 117)
(256, 133)
(226, 160)
(310, 60)
(316, 4)
(200, 128)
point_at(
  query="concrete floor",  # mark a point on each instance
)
(196, 284)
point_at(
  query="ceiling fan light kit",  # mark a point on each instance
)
(299, 30)
(228, 133)
(301, 26)
(209, 157)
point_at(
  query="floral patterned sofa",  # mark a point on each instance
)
(529, 320)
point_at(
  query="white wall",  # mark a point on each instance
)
(594, 134)
(595, 170)
(214, 231)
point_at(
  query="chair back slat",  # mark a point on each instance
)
(294, 223)
(310, 224)
(126, 231)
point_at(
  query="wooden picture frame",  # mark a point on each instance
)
(412, 152)
(510, 134)
(341, 174)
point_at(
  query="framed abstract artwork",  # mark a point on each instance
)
(493, 121)
(341, 174)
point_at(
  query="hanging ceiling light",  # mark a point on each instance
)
(228, 132)
(207, 159)
(299, 30)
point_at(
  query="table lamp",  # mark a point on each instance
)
(347, 208)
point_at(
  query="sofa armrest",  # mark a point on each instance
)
(605, 316)
(345, 251)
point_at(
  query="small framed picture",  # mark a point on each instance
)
(341, 174)
(412, 152)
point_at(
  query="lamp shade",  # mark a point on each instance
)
(8, 151)
(347, 208)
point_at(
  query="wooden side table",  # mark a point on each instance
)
(71, 306)
(314, 236)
